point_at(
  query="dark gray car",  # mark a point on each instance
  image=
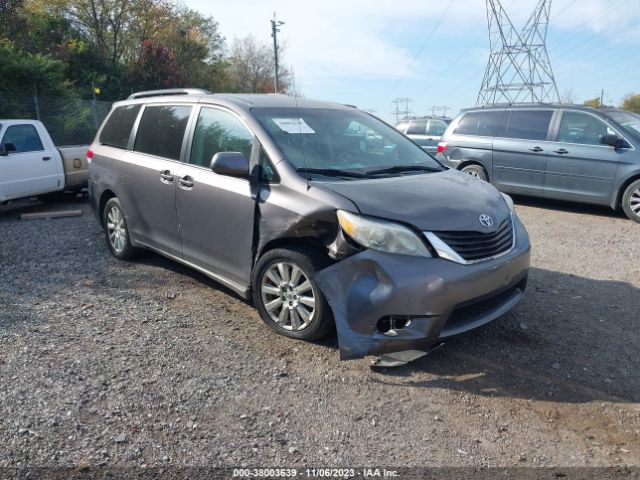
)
(566, 152)
(290, 202)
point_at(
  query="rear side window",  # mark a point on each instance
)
(529, 124)
(436, 128)
(401, 126)
(161, 130)
(117, 129)
(418, 127)
(483, 124)
(218, 131)
(24, 138)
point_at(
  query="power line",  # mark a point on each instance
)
(424, 44)
(460, 57)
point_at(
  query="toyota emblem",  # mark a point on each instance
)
(486, 220)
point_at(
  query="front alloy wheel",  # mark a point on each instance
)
(288, 296)
(631, 201)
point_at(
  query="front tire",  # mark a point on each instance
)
(631, 201)
(116, 231)
(476, 171)
(287, 298)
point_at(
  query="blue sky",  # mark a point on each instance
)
(368, 52)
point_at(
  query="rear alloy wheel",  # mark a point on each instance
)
(476, 171)
(115, 229)
(631, 201)
(286, 297)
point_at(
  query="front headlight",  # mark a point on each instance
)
(382, 235)
(509, 201)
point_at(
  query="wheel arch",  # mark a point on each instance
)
(104, 198)
(292, 243)
(616, 200)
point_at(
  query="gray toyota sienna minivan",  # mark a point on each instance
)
(291, 203)
(567, 152)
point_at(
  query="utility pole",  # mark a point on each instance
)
(602, 98)
(274, 33)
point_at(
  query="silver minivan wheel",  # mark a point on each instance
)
(116, 229)
(288, 296)
(476, 171)
(116, 232)
(634, 201)
(631, 201)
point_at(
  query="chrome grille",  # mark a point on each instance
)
(473, 246)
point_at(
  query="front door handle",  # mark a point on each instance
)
(562, 151)
(166, 176)
(46, 159)
(186, 182)
(536, 149)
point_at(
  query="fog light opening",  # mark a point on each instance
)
(390, 324)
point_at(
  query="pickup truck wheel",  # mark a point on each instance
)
(631, 201)
(287, 298)
(115, 229)
(477, 171)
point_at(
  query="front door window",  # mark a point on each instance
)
(582, 128)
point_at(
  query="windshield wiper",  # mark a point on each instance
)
(332, 172)
(403, 168)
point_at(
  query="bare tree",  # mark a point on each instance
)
(568, 96)
(252, 67)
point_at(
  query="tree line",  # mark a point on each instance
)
(110, 48)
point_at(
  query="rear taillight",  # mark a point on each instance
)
(89, 156)
(442, 146)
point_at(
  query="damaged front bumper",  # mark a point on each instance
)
(438, 298)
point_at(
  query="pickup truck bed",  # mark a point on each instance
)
(76, 168)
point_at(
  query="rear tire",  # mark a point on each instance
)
(476, 171)
(116, 231)
(631, 201)
(287, 298)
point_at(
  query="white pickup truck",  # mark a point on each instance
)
(31, 165)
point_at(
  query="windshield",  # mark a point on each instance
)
(343, 144)
(626, 119)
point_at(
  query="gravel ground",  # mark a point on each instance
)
(106, 363)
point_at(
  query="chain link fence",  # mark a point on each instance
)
(69, 120)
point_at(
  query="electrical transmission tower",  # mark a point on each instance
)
(519, 70)
(401, 112)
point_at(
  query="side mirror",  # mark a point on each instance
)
(232, 164)
(612, 140)
(7, 148)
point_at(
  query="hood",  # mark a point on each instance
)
(443, 201)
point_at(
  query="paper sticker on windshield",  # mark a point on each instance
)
(293, 125)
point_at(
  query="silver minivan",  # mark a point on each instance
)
(323, 215)
(567, 152)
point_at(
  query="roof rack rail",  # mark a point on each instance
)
(167, 92)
